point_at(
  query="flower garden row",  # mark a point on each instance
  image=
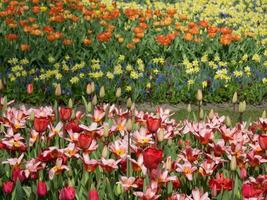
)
(115, 153)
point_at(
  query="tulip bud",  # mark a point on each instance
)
(169, 142)
(233, 163)
(105, 151)
(89, 107)
(30, 88)
(234, 100)
(228, 121)
(31, 116)
(70, 104)
(118, 92)
(1, 85)
(102, 92)
(189, 109)
(263, 114)
(88, 89)
(243, 173)
(201, 114)
(118, 189)
(242, 107)
(199, 95)
(58, 90)
(168, 165)
(160, 135)
(211, 114)
(106, 130)
(92, 87)
(94, 101)
(129, 125)
(129, 103)
(133, 106)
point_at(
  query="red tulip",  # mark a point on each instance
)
(67, 193)
(30, 88)
(8, 187)
(153, 124)
(74, 126)
(250, 190)
(41, 189)
(152, 157)
(93, 195)
(17, 174)
(263, 141)
(84, 141)
(40, 124)
(65, 113)
(220, 183)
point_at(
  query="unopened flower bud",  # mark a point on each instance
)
(70, 104)
(92, 87)
(199, 95)
(32, 116)
(211, 114)
(89, 107)
(234, 100)
(129, 125)
(168, 165)
(105, 151)
(189, 109)
(129, 103)
(263, 114)
(228, 121)
(169, 142)
(118, 92)
(94, 101)
(201, 114)
(118, 189)
(233, 163)
(242, 107)
(88, 89)
(58, 90)
(106, 130)
(160, 135)
(102, 92)
(1, 85)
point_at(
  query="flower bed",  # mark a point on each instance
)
(114, 153)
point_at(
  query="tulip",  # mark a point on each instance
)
(233, 163)
(30, 88)
(17, 174)
(199, 95)
(65, 113)
(189, 109)
(234, 100)
(160, 135)
(105, 151)
(102, 92)
(201, 114)
(211, 114)
(40, 124)
(118, 92)
(243, 173)
(93, 195)
(228, 121)
(84, 141)
(94, 101)
(8, 187)
(88, 89)
(129, 103)
(152, 157)
(153, 124)
(67, 193)
(242, 107)
(1, 85)
(263, 141)
(129, 125)
(41, 189)
(93, 87)
(58, 90)
(263, 114)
